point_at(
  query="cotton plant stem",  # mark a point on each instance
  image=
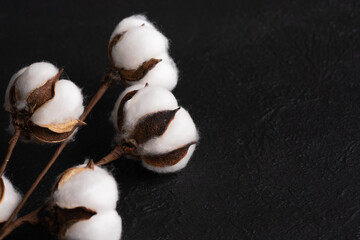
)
(112, 156)
(32, 188)
(31, 218)
(98, 95)
(104, 86)
(12, 144)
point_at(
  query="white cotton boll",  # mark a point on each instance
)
(36, 75)
(174, 168)
(181, 131)
(7, 105)
(164, 74)
(137, 46)
(65, 106)
(131, 22)
(147, 100)
(107, 225)
(10, 201)
(169, 152)
(94, 189)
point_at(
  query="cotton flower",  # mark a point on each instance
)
(83, 205)
(106, 225)
(42, 106)
(139, 52)
(162, 134)
(9, 198)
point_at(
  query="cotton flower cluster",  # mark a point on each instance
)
(9, 199)
(140, 53)
(93, 188)
(45, 108)
(163, 134)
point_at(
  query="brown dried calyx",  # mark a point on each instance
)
(65, 176)
(58, 220)
(37, 98)
(131, 75)
(2, 190)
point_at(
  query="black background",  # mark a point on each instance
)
(272, 85)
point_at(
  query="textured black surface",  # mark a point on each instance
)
(273, 86)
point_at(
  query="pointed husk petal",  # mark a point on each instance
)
(64, 127)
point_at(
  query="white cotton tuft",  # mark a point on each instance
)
(65, 106)
(94, 189)
(174, 168)
(164, 74)
(114, 113)
(137, 46)
(106, 225)
(10, 201)
(147, 100)
(180, 132)
(34, 76)
(131, 22)
(7, 105)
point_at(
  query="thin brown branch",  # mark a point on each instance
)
(112, 156)
(31, 218)
(104, 86)
(12, 144)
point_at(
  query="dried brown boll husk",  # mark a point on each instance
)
(58, 220)
(2, 190)
(68, 174)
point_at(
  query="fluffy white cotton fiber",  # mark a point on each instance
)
(65, 106)
(164, 74)
(10, 201)
(131, 22)
(33, 77)
(138, 45)
(113, 117)
(12, 80)
(149, 99)
(102, 226)
(94, 189)
(180, 132)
